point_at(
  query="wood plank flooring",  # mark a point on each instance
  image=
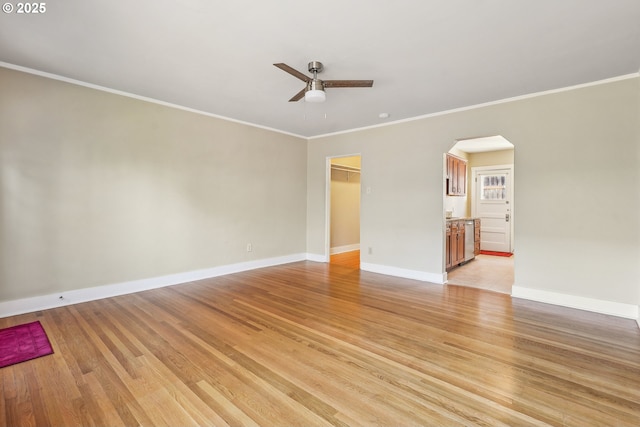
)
(311, 344)
(349, 259)
(489, 272)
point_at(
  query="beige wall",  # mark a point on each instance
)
(572, 154)
(491, 158)
(98, 189)
(349, 161)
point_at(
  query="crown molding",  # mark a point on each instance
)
(483, 105)
(139, 97)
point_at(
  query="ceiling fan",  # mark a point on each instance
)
(314, 90)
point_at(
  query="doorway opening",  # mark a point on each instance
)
(488, 202)
(343, 211)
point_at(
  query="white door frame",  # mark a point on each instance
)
(474, 171)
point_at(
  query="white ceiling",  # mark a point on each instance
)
(426, 56)
(486, 143)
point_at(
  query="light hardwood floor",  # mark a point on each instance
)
(494, 273)
(309, 344)
(349, 259)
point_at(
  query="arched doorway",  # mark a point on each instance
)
(488, 196)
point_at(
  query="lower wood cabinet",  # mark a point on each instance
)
(455, 243)
(476, 238)
(455, 246)
(448, 246)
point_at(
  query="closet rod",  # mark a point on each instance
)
(345, 168)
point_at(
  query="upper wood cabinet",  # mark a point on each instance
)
(456, 176)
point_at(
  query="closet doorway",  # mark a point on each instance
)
(344, 211)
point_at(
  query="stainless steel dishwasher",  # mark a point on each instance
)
(469, 240)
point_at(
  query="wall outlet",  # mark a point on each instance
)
(249, 247)
(370, 250)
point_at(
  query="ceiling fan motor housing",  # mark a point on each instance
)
(315, 84)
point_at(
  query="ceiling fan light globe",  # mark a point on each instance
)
(315, 95)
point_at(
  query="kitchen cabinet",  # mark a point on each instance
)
(448, 246)
(452, 250)
(476, 238)
(459, 255)
(455, 241)
(456, 176)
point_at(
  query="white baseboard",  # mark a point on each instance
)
(316, 258)
(438, 278)
(62, 298)
(628, 311)
(345, 248)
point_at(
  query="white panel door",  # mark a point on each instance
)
(492, 202)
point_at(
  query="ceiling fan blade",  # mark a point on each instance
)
(348, 83)
(298, 96)
(293, 72)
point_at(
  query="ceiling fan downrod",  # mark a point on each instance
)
(314, 84)
(315, 67)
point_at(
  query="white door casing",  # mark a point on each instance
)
(493, 204)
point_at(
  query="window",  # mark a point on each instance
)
(493, 187)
